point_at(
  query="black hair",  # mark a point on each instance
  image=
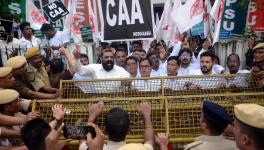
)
(140, 50)
(122, 47)
(46, 27)
(84, 56)
(162, 43)
(104, 45)
(34, 132)
(256, 134)
(208, 54)
(214, 128)
(114, 45)
(23, 25)
(117, 124)
(176, 58)
(121, 50)
(137, 42)
(56, 66)
(2, 106)
(105, 50)
(131, 58)
(187, 50)
(233, 54)
(150, 54)
(144, 60)
(217, 58)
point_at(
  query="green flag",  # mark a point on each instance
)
(13, 9)
(234, 19)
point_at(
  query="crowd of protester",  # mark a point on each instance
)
(36, 74)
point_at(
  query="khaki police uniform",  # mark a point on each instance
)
(38, 78)
(205, 142)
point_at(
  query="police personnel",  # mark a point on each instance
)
(214, 119)
(37, 75)
(19, 71)
(249, 126)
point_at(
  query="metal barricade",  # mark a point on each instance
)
(176, 102)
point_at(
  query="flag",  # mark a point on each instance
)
(71, 22)
(34, 16)
(207, 18)
(166, 26)
(176, 33)
(216, 13)
(188, 15)
(166, 29)
(91, 15)
(156, 26)
(93, 21)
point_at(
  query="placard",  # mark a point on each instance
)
(55, 10)
(126, 19)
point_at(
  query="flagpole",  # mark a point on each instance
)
(190, 32)
(95, 23)
(41, 5)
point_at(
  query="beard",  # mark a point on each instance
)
(205, 70)
(233, 70)
(185, 61)
(108, 65)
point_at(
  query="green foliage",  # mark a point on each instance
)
(248, 32)
(243, 3)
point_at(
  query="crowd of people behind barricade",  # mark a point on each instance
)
(36, 74)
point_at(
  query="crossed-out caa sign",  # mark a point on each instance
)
(126, 19)
(55, 10)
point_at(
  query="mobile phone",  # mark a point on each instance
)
(78, 132)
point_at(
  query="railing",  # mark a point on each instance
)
(175, 101)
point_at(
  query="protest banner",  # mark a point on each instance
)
(55, 10)
(126, 19)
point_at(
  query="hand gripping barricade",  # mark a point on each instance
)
(176, 101)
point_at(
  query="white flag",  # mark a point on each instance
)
(91, 15)
(207, 18)
(71, 22)
(188, 15)
(216, 13)
(34, 16)
(93, 21)
(166, 25)
(156, 26)
(176, 34)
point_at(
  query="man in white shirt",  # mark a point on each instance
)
(132, 66)
(233, 64)
(117, 126)
(206, 63)
(185, 57)
(172, 70)
(145, 67)
(120, 57)
(205, 46)
(27, 40)
(56, 40)
(84, 60)
(158, 69)
(106, 70)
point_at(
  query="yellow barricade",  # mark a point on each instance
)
(176, 102)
